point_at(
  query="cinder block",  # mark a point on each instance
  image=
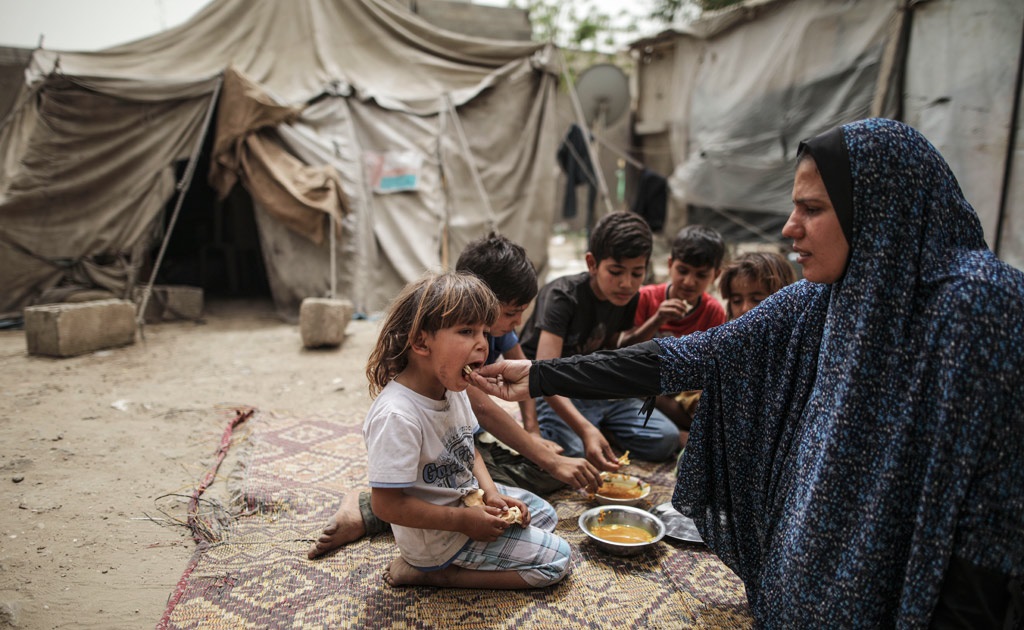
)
(322, 321)
(69, 329)
(169, 302)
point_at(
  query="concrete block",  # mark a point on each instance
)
(322, 321)
(169, 302)
(69, 329)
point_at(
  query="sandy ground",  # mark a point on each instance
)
(89, 444)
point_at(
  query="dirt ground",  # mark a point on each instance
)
(89, 444)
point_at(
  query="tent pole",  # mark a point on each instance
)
(334, 272)
(182, 187)
(1010, 150)
(581, 120)
(442, 129)
(468, 154)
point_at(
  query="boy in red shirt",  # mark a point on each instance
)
(682, 306)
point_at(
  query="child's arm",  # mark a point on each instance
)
(483, 477)
(527, 408)
(597, 448)
(394, 506)
(669, 310)
(492, 497)
(572, 471)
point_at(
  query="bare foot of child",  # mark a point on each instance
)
(346, 525)
(401, 573)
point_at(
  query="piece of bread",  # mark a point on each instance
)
(514, 516)
(474, 498)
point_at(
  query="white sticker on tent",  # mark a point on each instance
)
(393, 171)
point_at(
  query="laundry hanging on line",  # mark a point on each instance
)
(651, 199)
(574, 158)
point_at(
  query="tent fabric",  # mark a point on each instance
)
(12, 77)
(742, 86)
(755, 81)
(72, 189)
(309, 85)
(245, 147)
(960, 89)
(295, 49)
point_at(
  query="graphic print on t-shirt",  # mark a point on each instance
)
(454, 467)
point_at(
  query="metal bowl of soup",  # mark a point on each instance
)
(622, 530)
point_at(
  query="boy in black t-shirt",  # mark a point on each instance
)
(582, 313)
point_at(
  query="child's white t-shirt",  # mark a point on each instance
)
(424, 446)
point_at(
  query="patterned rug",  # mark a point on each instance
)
(251, 571)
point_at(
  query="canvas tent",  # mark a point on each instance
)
(12, 73)
(963, 89)
(414, 139)
(723, 103)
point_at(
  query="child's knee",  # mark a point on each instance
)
(542, 514)
(541, 507)
(658, 447)
(555, 570)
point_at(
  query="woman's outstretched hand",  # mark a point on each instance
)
(508, 380)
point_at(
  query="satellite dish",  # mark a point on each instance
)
(603, 90)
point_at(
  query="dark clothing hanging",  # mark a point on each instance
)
(651, 199)
(574, 158)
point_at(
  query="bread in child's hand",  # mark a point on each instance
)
(474, 498)
(514, 516)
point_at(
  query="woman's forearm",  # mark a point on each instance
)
(631, 372)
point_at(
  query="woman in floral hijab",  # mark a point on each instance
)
(858, 454)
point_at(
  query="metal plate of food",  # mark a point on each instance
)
(677, 526)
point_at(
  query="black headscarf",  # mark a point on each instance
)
(833, 162)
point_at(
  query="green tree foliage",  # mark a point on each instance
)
(587, 26)
(588, 33)
(585, 32)
(580, 25)
(667, 10)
